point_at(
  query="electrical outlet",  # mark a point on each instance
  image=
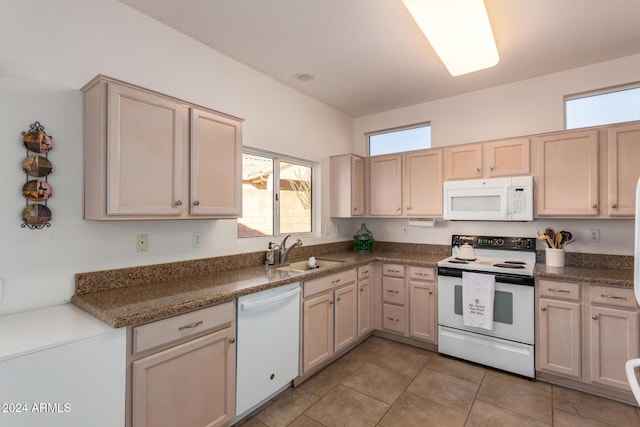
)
(197, 239)
(595, 235)
(142, 243)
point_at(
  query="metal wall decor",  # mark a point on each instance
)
(37, 215)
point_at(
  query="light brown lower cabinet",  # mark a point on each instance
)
(191, 383)
(365, 300)
(586, 333)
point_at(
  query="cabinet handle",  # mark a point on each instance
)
(393, 319)
(191, 326)
(338, 299)
(562, 291)
(392, 291)
(430, 292)
(333, 282)
(543, 308)
(393, 271)
(613, 297)
(365, 272)
(594, 317)
(178, 202)
(595, 205)
(361, 289)
(232, 340)
(355, 209)
(331, 302)
(408, 208)
(398, 209)
(614, 206)
(422, 274)
(196, 203)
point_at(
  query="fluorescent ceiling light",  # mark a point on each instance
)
(459, 31)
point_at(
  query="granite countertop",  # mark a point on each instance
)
(130, 305)
(136, 295)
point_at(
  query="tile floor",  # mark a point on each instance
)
(385, 383)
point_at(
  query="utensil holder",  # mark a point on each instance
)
(554, 257)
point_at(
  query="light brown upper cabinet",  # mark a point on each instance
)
(408, 184)
(385, 185)
(148, 156)
(506, 157)
(346, 186)
(623, 169)
(423, 183)
(566, 173)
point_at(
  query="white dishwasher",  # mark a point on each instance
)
(268, 344)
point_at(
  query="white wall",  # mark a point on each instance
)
(522, 108)
(49, 51)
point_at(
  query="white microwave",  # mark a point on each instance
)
(493, 199)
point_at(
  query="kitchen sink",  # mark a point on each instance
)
(302, 266)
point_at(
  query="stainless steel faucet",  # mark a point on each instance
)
(284, 251)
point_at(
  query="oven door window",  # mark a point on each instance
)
(502, 305)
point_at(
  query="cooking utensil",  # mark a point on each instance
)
(543, 237)
(551, 234)
(566, 236)
(558, 240)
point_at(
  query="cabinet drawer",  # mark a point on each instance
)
(321, 284)
(564, 290)
(421, 273)
(364, 271)
(394, 318)
(393, 290)
(394, 270)
(619, 297)
(171, 329)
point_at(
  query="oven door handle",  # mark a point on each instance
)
(500, 278)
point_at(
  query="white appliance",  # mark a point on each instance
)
(510, 344)
(268, 345)
(494, 199)
(635, 363)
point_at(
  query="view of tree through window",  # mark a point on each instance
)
(271, 210)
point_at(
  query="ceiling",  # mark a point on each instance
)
(369, 56)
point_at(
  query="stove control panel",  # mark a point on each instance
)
(495, 242)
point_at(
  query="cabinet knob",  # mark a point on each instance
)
(543, 309)
(408, 208)
(331, 302)
(361, 289)
(355, 209)
(232, 340)
(492, 167)
(196, 203)
(478, 170)
(614, 206)
(430, 292)
(179, 203)
(595, 205)
(338, 299)
(398, 209)
(594, 317)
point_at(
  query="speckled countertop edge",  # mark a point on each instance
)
(142, 302)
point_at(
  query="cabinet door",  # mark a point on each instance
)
(559, 341)
(145, 142)
(423, 183)
(566, 174)
(385, 185)
(463, 162)
(422, 310)
(216, 165)
(624, 152)
(613, 335)
(317, 330)
(365, 307)
(507, 157)
(346, 317)
(346, 190)
(190, 384)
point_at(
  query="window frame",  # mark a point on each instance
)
(596, 92)
(368, 135)
(278, 158)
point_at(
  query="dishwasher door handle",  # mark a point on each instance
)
(262, 302)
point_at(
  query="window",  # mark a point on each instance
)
(603, 107)
(398, 140)
(271, 210)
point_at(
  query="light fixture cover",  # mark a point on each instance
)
(459, 31)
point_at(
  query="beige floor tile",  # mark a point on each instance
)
(567, 419)
(324, 381)
(287, 407)
(251, 422)
(445, 389)
(516, 395)
(414, 411)
(456, 368)
(378, 382)
(346, 407)
(594, 407)
(402, 359)
(304, 421)
(354, 359)
(485, 415)
(540, 384)
(375, 345)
